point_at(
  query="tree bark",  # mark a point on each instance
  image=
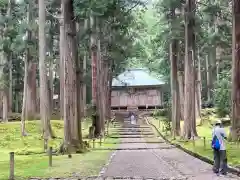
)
(61, 64)
(181, 81)
(181, 93)
(79, 78)
(31, 97)
(212, 71)
(109, 90)
(85, 70)
(16, 105)
(174, 90)
(208, 79)
(96, 123)
(50, 82)
(10, 92)
(198, 90)
(5, 105)
(24, 102)
(100, 89)
(44, 96)
(189, 101)
(3, 61)
(235, 130)
(71, 128)
(26, 65)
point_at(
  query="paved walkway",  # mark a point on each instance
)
(167, 162)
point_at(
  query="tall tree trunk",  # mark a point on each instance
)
(208, 79)
(3, 62)
(189, 98)
(61, 64)
(10, 92)
(235, 130)
(174, 83)
(212, 55)
(174, 90)
(5, 105)
(84, 83)
(50, 82)
(212, 70)
(100, 91)
(198, 90)
(181, 93)
(24, 100)
(181, 82)
(51, 66)
(16, 105)
(80, 82)
(71, 129)
(31, 97)
(1, 101)
(26, 65)
(93, 44)
(44, 96)
(109, 90)
(85, 70)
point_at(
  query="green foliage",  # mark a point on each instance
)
(151, 42)
(163, 116)
(160, 112)
(222, 97)
(167, 124)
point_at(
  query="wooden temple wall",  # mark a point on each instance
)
(139, 97)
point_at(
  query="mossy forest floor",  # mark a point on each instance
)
(204, 130)
(31, 161)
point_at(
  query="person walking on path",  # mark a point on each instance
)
(219, 148)
(133, 119)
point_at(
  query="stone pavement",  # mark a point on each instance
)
(152, 163)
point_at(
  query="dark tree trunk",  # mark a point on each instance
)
(175, 89)
(235, 130)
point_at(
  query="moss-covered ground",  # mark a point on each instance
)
(198, 146)
(31, 161)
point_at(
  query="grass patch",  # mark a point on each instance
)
(198, 147)
(88, 164)
(31, 161)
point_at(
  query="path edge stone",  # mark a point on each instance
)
(232, 170)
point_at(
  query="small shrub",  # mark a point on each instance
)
(208, 112)
(222, 97)
(160, 112)
(26, 151)
(166, 124)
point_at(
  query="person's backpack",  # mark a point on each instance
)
(215, 143)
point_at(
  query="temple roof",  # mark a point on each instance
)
(136, 77)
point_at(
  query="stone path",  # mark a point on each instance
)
(152, 163)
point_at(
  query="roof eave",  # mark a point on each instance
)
(139, 86)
